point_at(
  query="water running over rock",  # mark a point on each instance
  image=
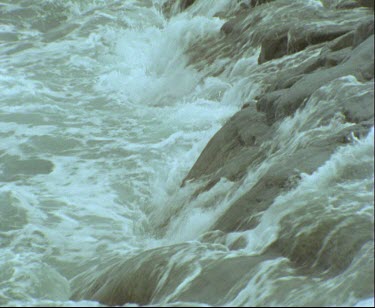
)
(186, 153)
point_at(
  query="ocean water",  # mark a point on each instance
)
(102, 115)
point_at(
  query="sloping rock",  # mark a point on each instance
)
(151, 275)
(306, 250)
(243, 131)
(360, 64)
(347, 5)
(130, 281)
(274, 46)
(301, 37)
(254, 3)
(244, 213)
(218, 277)
(363, 31)
(175, 5)
(366, 3)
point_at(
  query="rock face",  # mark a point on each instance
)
(239, 140)
(366, 3)
(175, 5)
(301, 118)
(254, 3)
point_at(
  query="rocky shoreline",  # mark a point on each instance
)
(335, 50)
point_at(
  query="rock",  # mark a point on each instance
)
(185, 4)
(347, 5)
(239, 137)
(330, 59)
(266, 102)
(312, 251)
(254, 3)
(151, 275)
(273, 47)
(360, 111)
(219, 277)
(360, 64)
(301, 37)
(171, 6)
(131, 281)
(244, 213)
(363, 31)
(228, 27)
(286, 78)
(366, 3)
(296, 38)
(341, 42)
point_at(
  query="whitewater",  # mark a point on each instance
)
(105, 107)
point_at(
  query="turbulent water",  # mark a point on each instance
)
(103, 112)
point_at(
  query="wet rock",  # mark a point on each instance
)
(327, 248)
(171, 6)
(185, 4)
(360, 64)
(341, 42)
(363, 31)
(148, 277)
(273, 47)
(254, 3)
(228, 27)
(366, 3)
(359, 109)
(301, 37)
(331, 59)
(239, 137)
(244, 213)
(218, 277)
(286, 78)
(296, 38)
(347, 5)
(130, 281)
(266, 102)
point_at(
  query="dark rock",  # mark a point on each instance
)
(341, 42)
(185, 4)
(312, 250)
(330, 59)
(130, 281)
(273, 47)
(282, 176)
(227, 27)
(363, 31)
(366, 3)
(286, 78)
(301, 37)
(138, 279)
(266, 102)
(254, 3)
(242, 131)
(244, 213)
(347, 5)
(175, 5)
(360, 64)
(217, 278)
(359, 108)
